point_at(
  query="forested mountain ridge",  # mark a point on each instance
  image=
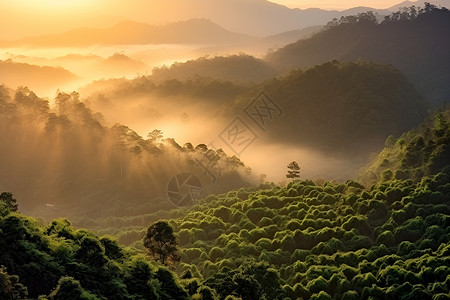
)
(416, 41)
(340, 108)
(240, 67)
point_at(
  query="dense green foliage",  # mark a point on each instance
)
(416, 41)
(388, 242)
(161, 243)
(66, 263)
(340, 241)
(321, 241)
(419, 152)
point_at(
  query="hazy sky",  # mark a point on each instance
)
(19, 18)
(337, 4)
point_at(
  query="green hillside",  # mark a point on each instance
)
(419, 152)
(312, 240)
(57, 261)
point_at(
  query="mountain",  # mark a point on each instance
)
(288, 37)
(120, 64)
(439, 3)
(343, 109)
(233, 68)
(16, 74)
(87, 67)
(404, 4)
(252, 17)
(193, 31)
(417, 44)
(422, 151)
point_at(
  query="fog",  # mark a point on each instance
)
(65, 160)
(201, 121)
(87, 64)
(76, 119)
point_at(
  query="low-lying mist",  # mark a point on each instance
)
(198, 119)
(65, 161)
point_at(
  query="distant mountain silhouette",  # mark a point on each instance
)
(252, 17)
(442, 3)
(234, 67)
(418, 46)
(122, 63)
(287, 37)
(15, 74)
(194, 31)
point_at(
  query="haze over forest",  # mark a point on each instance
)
(293, 152)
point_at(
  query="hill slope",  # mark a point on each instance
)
(325, 241)
(66, 263)
(340, 108)
(425, 150)
(45, 78)
(417, 44)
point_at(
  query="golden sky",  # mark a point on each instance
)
(340, 5)
(20, 18)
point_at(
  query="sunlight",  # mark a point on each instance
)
(55, 6)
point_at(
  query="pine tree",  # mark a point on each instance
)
(293, 170)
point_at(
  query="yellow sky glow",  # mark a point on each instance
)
(53, 5)
(339, 5)
(21, 18)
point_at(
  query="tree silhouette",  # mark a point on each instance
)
(293, 170)
(155, 136)
(7, 203)
(161, 243)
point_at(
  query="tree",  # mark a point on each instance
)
(155, 136)
(7, 203)
(440, 125)
(293, 170)
(10, 287)
(401, 143)
(69, 288)
(161, 243)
